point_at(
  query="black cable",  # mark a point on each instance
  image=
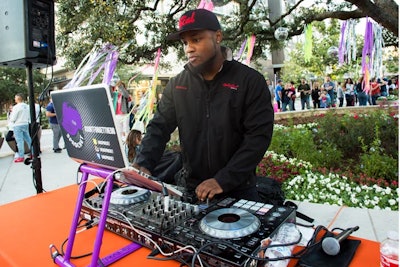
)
(88, 224)
(312, 242)
(305, 225)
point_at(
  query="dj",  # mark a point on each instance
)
(223, 112)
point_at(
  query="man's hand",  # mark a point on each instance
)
(141, 169)
(208, 189)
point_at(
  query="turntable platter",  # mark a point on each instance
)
(229, 223)
(129, 195)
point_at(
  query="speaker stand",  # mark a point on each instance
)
(36, 163)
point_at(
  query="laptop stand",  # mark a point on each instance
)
(64, 260)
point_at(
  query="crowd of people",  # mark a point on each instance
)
(330, 94)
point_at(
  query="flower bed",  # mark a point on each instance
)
(300, 181)
(347, 159)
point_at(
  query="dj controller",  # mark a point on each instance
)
(223, 232)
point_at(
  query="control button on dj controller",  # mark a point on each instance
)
(226, 202)
(276, 214)
(281, 209)
(245, 250)
(237, 257)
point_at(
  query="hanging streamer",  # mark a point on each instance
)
(240, 53)
(367, 55)
(342, 43)
(352, 42)
(372, 50)
(308, 42)
(377, 50)
(366, 84)
(368, 46)
(97, 60)
(347, 44)
(145, 110)
(206, 4)
(248, 46)
(110, 66)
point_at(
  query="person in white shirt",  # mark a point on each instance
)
(19, 118)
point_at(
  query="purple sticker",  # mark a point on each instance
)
(72, 121)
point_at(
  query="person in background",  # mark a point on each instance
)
(55, 127)
(361, 94)
(133, 141)
(305, 92)
(329, 86)
(271, 90)
(287, 100)
(292, 88)
(349, 92)
(169, 164)
(10, 139)
(384, 87)
(315, 92)
(278, 93)
(121, 99)
(325, 99)
(222, 109)
(19, 118)
(340, 94)
(391, 85)
(375, 90)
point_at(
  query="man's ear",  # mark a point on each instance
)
(218, 36)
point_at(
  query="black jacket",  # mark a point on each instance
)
(225, 125)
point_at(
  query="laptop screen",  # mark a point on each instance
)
(87, 123)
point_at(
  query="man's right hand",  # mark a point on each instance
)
(141, 169)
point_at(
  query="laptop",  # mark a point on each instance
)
(88, 125)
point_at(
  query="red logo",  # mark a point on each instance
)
(180, 87)
(230, 86)
(186, 20)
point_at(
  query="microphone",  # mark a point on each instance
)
(331, 245)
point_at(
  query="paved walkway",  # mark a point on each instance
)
(58, 170)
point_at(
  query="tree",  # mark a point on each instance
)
(145, 24)
(13, 81)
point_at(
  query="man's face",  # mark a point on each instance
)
(200, 47)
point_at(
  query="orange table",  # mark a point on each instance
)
(29, 226)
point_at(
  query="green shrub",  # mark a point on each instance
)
(375, 162)
(344, 131)
(360, 144)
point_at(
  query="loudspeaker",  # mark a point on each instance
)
(27, 33)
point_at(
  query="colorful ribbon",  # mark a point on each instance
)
(146, 106)
(308, 45)
(206, 4)
(248, 46)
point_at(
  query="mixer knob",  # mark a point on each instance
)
(196, 210)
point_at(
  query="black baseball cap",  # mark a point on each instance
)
(193, 20)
